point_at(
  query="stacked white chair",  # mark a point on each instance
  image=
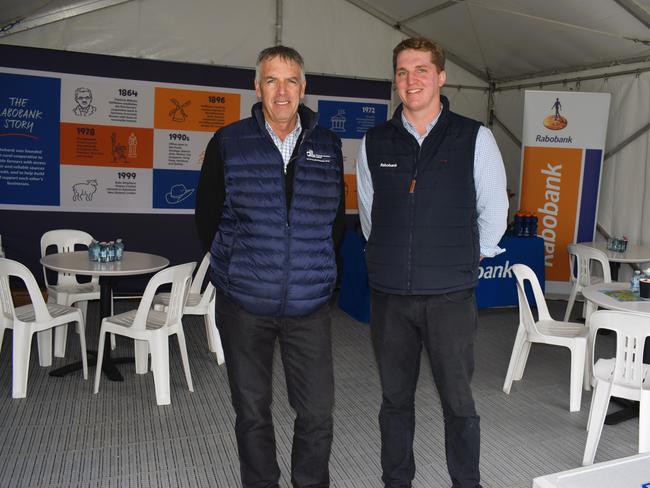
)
(151, 329)
(200, 303)
(624, 376)
(67, 290)
(580, 261)
(37, 318)
(545, 331)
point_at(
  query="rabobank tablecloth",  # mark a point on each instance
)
(496, 287)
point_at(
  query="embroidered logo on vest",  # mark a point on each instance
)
(388, 165)
(312, 156)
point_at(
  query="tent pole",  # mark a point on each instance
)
(278, 22)
(490, 105)
(627, 141)
(48, 15)
(505, 129)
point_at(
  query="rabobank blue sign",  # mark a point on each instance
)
(29, 139)
(351, 120)
(497, 285)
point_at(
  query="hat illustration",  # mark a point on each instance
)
(178, 193)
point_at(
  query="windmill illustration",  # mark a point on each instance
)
(177, 113)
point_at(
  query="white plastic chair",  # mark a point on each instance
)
(545, 331)
(624, 376)
(200, 303)
(580, 260)
(67, 290)
(151, 329)
(38, 317)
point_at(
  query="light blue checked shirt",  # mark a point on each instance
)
(287, 146)
(489, 181)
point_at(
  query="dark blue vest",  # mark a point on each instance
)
(273, 259)
(424, 238)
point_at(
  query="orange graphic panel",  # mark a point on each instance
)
(350, 181)
(103, 145)
(550, 188)
(194, 110)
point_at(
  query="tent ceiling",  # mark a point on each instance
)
(504, 40)
(496, 40)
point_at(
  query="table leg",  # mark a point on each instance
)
(590, 308)
(108, 364)
(105, 309)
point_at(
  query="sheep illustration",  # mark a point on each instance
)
(81, 190)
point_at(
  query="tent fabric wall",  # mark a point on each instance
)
(338, 38)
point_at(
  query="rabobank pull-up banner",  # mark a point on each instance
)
(562, 154)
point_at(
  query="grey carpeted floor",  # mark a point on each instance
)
(62, 435)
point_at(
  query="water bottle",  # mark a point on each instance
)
(533, 225)
(103, 252)
(119, 249)
(525, 225)
(518, 229)
(111, 251)
(93, 250)
(634, 284)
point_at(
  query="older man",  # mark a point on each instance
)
(270, 207)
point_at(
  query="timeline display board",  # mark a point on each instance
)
(82, 143)
(84, 134)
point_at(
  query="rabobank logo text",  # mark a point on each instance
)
(556, 139)
(489, 272)
(551, 209)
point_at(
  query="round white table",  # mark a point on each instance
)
(633, 255)
(132, 263)
(595, 296)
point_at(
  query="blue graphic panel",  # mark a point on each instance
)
(589, 196)
(174, 188)
(497, 286)
(351, 120)
(29, 139)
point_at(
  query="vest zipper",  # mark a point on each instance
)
(287, 227)
(287, 251)
(287, 237)
(409, 264)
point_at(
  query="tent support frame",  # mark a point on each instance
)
(57, 14)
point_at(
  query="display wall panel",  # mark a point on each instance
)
(114, 146)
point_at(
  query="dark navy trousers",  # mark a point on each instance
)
(445, 325)
(306, 350)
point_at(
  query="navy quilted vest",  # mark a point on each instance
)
(270, 260)
(423, 241)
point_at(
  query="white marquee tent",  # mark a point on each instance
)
(496, 49)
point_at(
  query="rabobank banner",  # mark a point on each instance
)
(562, 154)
